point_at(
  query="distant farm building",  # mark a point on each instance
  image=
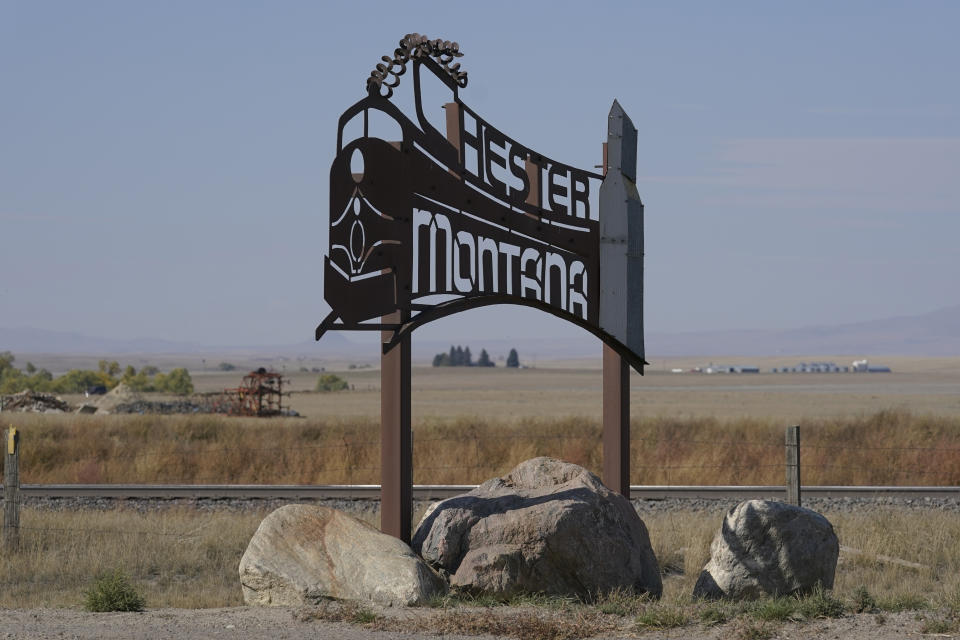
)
(858, 366)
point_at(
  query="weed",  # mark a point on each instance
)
(820, 604)
(361, 615)
(542, 600)
(663, 616)
(621, 602)
(939, 625)
(112, 592)
(338, 611)
(951, 601)
(775, 609)
(903, 602)
(713, 615)
(747, 629)
(863, 600)
(528, 625)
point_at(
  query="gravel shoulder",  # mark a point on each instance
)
(279, 623)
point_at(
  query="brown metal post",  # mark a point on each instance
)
(396, 450)
(616, 422)
(616, 413)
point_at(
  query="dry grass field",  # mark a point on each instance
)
(186, 558)
(471, 424)
(573, 389)
(474, 424)
(888, 447)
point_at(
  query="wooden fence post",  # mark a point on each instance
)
(793, 465)
(11, 491)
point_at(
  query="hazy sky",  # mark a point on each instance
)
(164, 166)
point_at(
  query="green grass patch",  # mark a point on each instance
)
(663, 616)
(112, 592)
(820, 604)
(775, 610)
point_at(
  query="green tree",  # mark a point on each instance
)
(30, 368)
(12, 381)
(484, 359)
(110, 368)
(331, 382)
(226, 366)
(6, 360)
(513, 360)
(138, 381)
(467, 358)
(79, 380)
(178, 381)
(441, 360)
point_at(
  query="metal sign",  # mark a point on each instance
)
(430, 224)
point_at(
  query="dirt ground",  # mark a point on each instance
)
(288, 624)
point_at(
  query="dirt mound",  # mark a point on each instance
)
(120, 394)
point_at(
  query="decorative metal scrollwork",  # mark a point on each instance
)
(386, 76)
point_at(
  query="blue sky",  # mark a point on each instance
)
(164, 166)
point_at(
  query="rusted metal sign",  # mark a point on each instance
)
(426, 224)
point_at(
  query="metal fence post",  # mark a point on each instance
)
(11, 491)
(793, 465)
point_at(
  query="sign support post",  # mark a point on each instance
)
(621, 290)
(616, 422)
(396, 440)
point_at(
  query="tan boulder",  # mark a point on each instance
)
(768, 548)
(302, 554)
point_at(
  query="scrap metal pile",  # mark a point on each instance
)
(33, 402)
(261, 394)
(167, 407)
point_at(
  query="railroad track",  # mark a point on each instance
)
(429, 492)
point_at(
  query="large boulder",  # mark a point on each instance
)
(302, 554)
(767, 548)
(546, 527)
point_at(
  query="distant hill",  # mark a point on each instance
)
(42, 341)
(930, 334)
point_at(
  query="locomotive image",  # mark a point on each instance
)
(428, 224)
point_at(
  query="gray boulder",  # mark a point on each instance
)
(767, 548)
(302, 554)
(546, 527)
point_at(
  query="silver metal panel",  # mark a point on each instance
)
(621, 236)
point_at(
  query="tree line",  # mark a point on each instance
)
(462, 357)
(108, 375)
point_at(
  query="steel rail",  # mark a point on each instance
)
(429, 492)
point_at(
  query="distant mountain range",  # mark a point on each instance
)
(930, 334)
